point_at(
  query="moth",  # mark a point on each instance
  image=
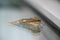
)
(32, 23)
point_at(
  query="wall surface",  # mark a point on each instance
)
(13, 32)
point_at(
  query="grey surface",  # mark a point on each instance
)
(49, 33)
(12, 32)
(50, 8)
